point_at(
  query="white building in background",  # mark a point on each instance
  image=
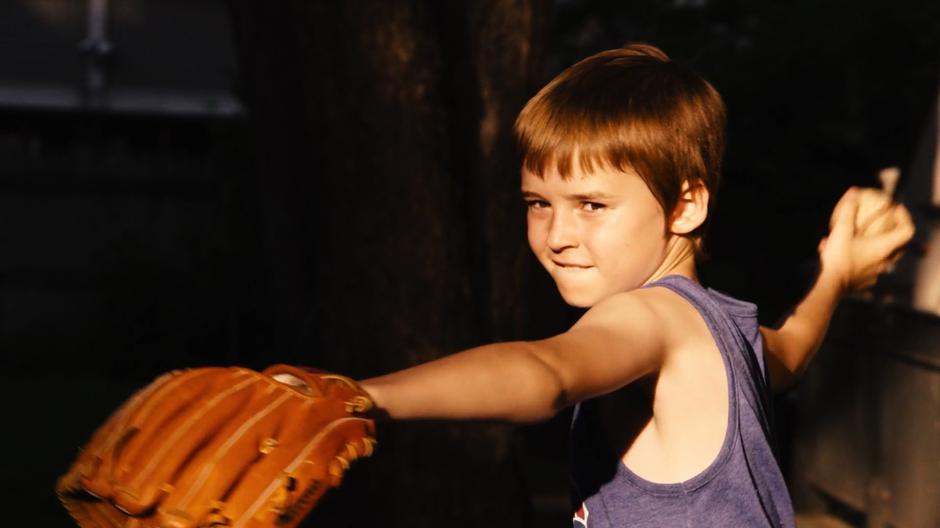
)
(920, 191)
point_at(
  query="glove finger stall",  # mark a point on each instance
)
(146, 473)
(219, 467)
(279, 485)
(103, 440)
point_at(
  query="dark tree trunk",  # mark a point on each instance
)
(393, 233)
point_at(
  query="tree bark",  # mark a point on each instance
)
(388, 187)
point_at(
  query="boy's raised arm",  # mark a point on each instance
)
(529, 381)
(789, 348)
(847, 262)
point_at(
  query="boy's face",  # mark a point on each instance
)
(596, 234)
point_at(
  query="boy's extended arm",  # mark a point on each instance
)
(847, 262)
(528, 381)
(789, 349)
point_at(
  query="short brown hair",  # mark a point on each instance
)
(633, 108)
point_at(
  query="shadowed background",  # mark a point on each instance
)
(334, 184)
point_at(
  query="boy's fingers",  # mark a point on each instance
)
(902, 233)
(903, 218)
(845, 211)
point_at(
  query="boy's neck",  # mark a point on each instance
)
(679, 259)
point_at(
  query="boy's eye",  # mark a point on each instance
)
(536, 204)
(593, 206)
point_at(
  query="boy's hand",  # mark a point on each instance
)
(861, 245)
(852, 258)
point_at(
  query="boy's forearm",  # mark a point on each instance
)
(502, 381)
(802, 332)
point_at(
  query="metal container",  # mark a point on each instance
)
(867, 439)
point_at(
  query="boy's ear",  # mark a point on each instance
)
(691, 210)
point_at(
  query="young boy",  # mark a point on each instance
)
(621, 158)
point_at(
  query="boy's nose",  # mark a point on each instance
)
(561, 233)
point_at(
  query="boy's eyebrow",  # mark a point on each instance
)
(596, 195)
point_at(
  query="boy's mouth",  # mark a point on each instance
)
(570, 265)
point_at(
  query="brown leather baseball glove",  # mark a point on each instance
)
(214, 447)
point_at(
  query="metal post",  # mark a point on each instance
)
(96, 49)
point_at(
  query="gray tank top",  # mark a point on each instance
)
(742, 487)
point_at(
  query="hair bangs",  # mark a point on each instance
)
(569, 143)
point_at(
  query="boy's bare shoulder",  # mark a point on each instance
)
(659, 312)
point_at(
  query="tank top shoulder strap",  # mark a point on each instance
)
(726, 333)
(747, 372)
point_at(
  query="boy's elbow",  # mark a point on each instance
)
(546, 391)
(784, 361)
(539, 411)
